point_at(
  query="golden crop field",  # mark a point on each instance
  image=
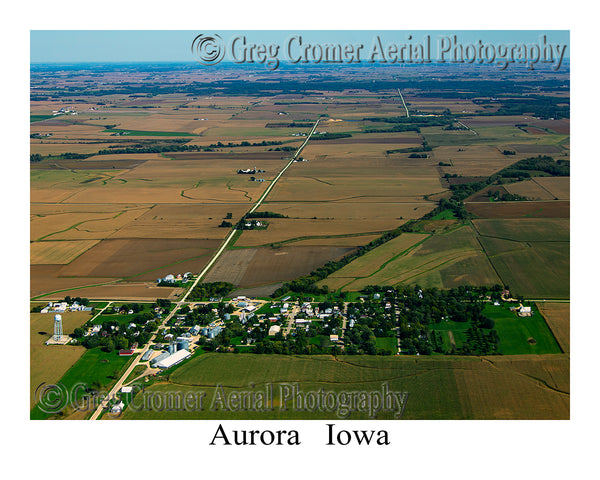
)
(530, 188)
(558, 318)
(48, 363)
(559, 187)
(58, 252)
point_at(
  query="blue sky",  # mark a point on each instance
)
(66, 46)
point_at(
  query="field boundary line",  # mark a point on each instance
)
(233, 232)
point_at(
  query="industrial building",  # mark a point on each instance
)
(158, 358)
(173, 359)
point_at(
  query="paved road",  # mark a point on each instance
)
(121, 381)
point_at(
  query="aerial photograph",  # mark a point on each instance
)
(300, 225)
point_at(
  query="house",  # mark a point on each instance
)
(117, 408)
(524, 311)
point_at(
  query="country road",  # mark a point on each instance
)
(215, 257)
(403, 103)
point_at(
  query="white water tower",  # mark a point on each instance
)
(58, 330)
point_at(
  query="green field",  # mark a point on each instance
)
(39, 118)
(439, 387)
(444, 215)
(95, 368)
(387, 343)
(525, 229)
(430, 263)
(540, 271)
(486, 135)
(514, 331)
(531, 255)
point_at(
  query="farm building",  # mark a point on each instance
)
(524, 311)
(173, 359)
(147, 355)
(195, 330)
(126, 352)
(274, 329)
(159, 358)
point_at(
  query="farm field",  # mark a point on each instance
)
(558, 317)
(286, 229)
(524, 229)
(251, 267)
(539, 270)
(497, 387)
(521, 335)
(506, 210)
(136, 176)
(96, 367)
(48, 363)
(441, 260)
(559, 187)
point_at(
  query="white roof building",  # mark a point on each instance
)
(274, 329)
(174, 359)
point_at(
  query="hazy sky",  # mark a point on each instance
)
(175, 46)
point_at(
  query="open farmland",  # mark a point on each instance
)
(470, 160)
(523, 230)
(497, 387)
(143, 259)
(520, 209)
(250, 267)
(530, 255)
(558, 317)
(49, 363)
(168, 171)
(530, 189)
(559, 187)
(58, 252)
(442, 260)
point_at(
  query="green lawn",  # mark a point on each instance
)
(387, 343)
(458, 330)
(514, 331)
(266, 310)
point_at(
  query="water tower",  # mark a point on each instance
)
(58, 330)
